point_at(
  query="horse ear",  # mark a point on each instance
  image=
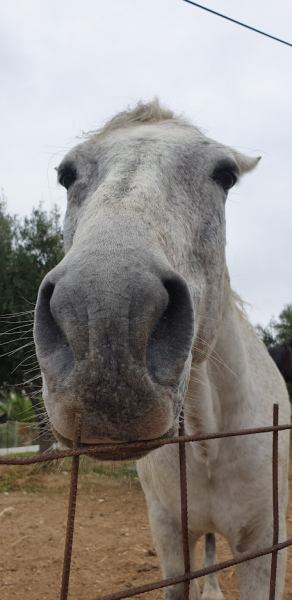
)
(246, 163)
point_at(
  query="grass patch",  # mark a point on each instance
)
(20, 454)
(54, 477)
(119, 471)
(20, 478)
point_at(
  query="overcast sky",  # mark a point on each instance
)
(67, 66)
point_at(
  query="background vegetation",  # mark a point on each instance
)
(29, 248)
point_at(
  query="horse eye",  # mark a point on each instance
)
(67, 178)
(226, 178)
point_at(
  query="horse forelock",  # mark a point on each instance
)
(142, 113)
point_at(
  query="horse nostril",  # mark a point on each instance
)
(44, 325)
(171, 339)
(48, 334)
(47, 291)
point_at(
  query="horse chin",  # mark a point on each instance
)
(117, 451)
(122, 456)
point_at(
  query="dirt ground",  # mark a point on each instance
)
(112, 549)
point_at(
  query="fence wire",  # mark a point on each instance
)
(117, 450)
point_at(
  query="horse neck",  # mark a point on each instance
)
(219, 385)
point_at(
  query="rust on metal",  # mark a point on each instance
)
(274, 559)
(115, 449)
(184, 506)
(71, 511)
(150, 587)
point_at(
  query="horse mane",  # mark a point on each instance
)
(149, 112)
(240, 304)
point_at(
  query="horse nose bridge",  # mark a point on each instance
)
(121, 307)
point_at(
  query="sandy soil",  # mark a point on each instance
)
(112, 544)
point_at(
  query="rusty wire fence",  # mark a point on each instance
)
(115, 450)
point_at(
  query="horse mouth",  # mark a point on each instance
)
(116, 451)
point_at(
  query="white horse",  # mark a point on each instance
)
(139, 319)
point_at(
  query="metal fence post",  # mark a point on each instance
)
(274, 559)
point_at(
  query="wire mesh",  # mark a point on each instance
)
(182, 439)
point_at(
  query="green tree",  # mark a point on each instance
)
(29, 249)
(266, 334)
(278, 331)
(17, 407)
(7, 228)
(283, 327)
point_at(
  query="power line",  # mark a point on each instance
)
(238, 23)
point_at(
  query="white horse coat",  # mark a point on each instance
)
(139, 319)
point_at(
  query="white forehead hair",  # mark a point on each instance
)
(154, 113)
(143, 113)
